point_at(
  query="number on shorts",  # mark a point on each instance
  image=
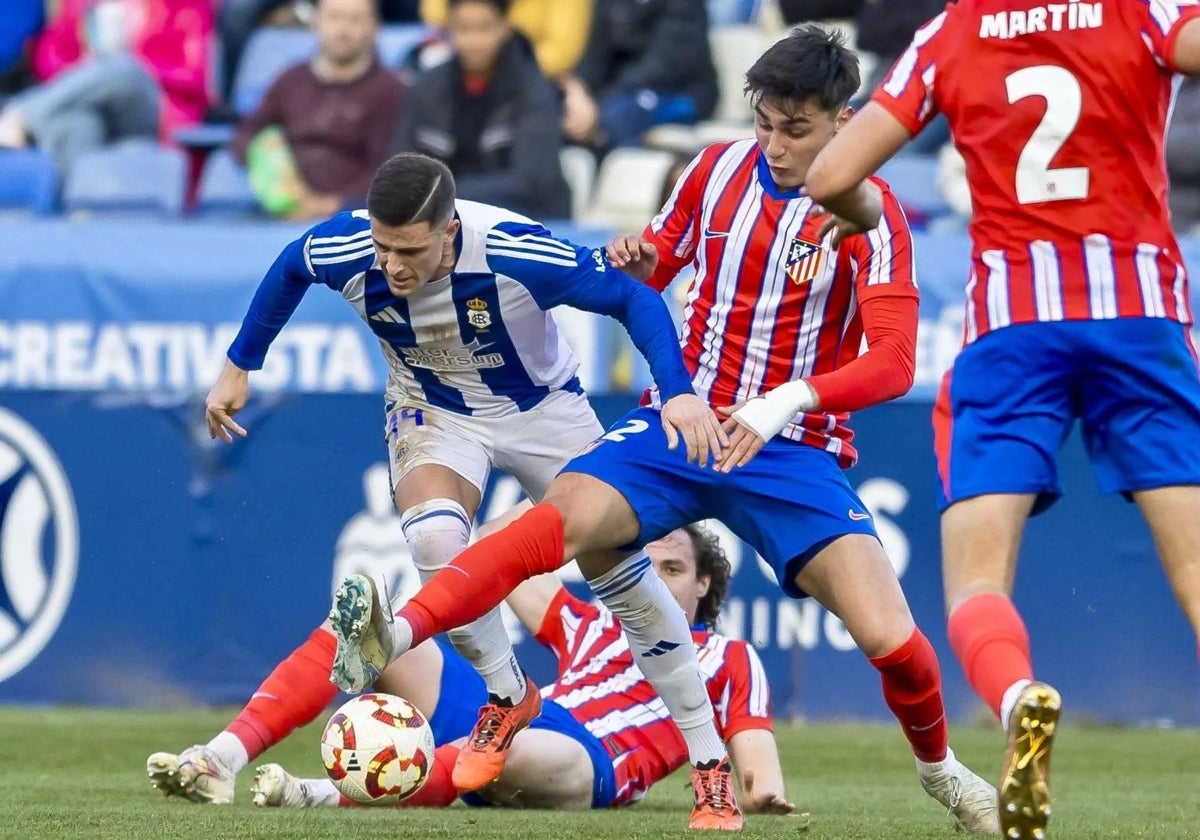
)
(633, 427)
(1037, 183)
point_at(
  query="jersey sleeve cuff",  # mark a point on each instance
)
(745, 724)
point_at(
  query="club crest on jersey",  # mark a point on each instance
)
(478, 316)
(805, 260)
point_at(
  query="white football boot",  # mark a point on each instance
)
(275, 787)
(196, 774)
(362, 622)
(969, 798)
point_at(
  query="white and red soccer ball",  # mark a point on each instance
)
(378, 749)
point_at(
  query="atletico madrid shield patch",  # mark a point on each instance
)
(805, 260)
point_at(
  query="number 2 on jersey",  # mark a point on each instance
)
(1036, 181)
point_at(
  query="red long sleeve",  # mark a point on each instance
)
(886, 370)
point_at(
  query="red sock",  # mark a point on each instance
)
(295, 693)
(483, 575)
(438, 791)
(991, 642)
(912, 688)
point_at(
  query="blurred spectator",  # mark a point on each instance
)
(491, 115)
(804, 11)
(647, 62)
(557, 29)
(238, 19)
(325, 125)
(19, 20)
(112, 70)
(952, 181)
(1183, 158)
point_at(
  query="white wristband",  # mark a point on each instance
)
(770, 413)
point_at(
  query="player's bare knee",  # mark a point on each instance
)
(595, 516)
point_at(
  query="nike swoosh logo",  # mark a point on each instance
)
(927, 728)
(709, 233)
(859, 517)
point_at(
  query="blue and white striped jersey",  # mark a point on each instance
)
(480, 341)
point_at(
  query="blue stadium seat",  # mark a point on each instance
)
(133, 177)
(913, 179)
(224, 188)
(273, 49)
(28, 182)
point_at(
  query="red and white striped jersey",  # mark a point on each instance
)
(602, 688)
(771, 302)
(1059, 111)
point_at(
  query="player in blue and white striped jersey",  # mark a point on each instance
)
(458, 295)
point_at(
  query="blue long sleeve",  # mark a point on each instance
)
(559, 273)
(278, 295)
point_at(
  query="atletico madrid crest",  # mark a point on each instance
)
(805, 260)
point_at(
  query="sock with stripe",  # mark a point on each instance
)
(990, 640)
(662, 646)
(437, 531)
(482, 576)
(912, 689)
(294, 694)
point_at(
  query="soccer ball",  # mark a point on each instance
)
(378, 749)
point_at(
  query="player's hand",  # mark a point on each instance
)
(744, 442)
(690, 417)
(226, 399)
(841, 228)
(757, 800)
(633, 255)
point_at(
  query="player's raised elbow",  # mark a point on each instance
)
(1187, 48)
(902, 376)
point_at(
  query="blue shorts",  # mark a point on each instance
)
(1011, 399)
(789, 502)
(463, 692)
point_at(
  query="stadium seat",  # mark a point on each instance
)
(579, 168)
(224, 188)
(913, 179)
(273, 49)
(28, 182)
(628, 188)
(134, 177)
(734, 49)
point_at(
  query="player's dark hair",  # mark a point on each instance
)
(811, 62)
(500, 6)
(409, 189)
(711, 563)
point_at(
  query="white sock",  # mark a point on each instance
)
(926, 769)
(230, 750)
(1010, 700)
(320, 793)
(436, 531)
(661, 641)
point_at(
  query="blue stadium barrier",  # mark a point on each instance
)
(153, 567)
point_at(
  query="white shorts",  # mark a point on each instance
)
(531, 446)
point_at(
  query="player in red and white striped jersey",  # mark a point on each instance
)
(1077, 306)
(772, 303)
(604, 736)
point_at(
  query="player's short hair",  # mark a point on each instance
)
(810, 63)
(711, 563)
(501, 6)
(409, 189)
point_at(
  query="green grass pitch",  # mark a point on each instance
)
(75, 773)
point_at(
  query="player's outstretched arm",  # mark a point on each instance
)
(227, 397)
(756, 757)
(837, 178)
(1187, 48)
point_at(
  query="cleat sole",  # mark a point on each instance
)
(1025, 806)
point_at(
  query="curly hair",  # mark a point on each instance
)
(712, 563)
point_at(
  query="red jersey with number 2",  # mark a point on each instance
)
(1059, 110)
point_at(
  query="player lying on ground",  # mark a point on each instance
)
(479, 375)
(775, 319)
(1078, 306)
(603, 737)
